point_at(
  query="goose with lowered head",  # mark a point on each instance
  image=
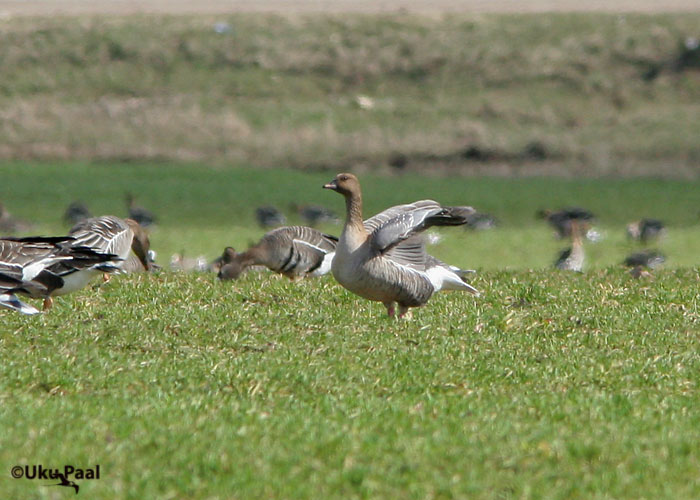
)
(384, 257)
(293, 251)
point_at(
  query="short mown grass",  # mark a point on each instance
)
(548, 386)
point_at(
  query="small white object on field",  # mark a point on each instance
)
(364, 102)
(594, 235)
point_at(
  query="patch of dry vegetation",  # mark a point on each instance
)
(490, 94)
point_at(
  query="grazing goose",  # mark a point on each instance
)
(141, 215)
(39, 267)
(133, 263)
(294, 251)
(314, 215)
(561, 220)
(572, 259)
(640, 262)
(10, 224)
(269, 216)
(112, 235)
(645, 230)
(77, 211)
(384, 257)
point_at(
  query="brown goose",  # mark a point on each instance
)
(294, 251)
(38, 267)
(384, 257)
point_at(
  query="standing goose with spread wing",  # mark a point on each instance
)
(384, 257)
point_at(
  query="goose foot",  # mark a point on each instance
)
(106, 277)
(405, 312)
(48, 303)
(390, 309)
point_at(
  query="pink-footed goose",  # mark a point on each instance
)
(106, 235)
(38, 266)
(294, 251)
(110, 234)
(384, 257)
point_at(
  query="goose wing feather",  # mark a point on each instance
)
(410, 253)
(311, 236)
(107, 234)
(26, 259)
(396, 224)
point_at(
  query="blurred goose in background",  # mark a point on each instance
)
(641, 262)
(572, 259)
(40, 267)
(384, 258)
(313, 215)
(646, 230)
(561, 220)
(294, 251)
(10, 224)
(77, 211)
(479, 221)
(269, 216)
(178, 262)
(142, 216)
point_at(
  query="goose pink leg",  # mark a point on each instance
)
(390, 309)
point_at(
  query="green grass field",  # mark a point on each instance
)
(550, 385)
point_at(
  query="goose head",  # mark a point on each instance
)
(140, 244)
(345, 184)
(231, 265)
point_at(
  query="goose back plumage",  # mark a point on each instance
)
(110, 234)
(293, 251)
